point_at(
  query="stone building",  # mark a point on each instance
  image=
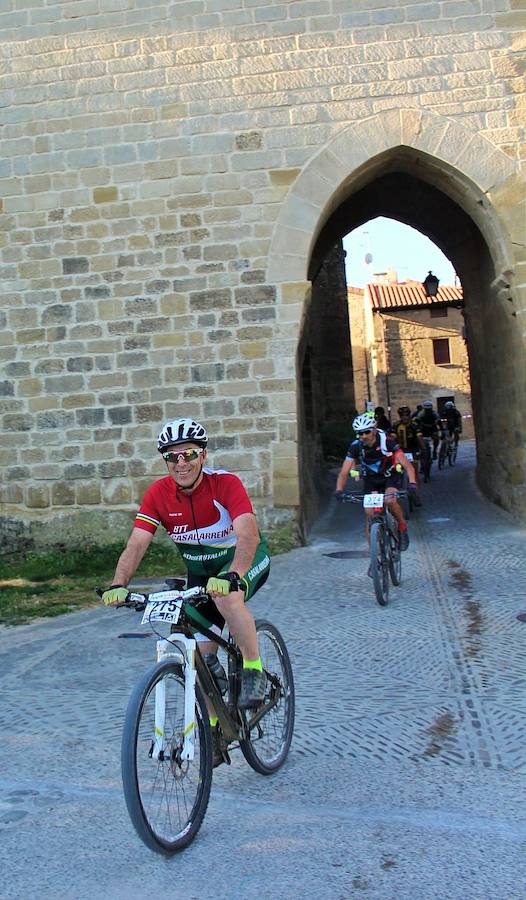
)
(173, 179)
(407, 348)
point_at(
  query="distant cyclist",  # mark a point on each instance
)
(375, 457)
(409, 437)
(382, 422)
(430, 424)
(453, 420)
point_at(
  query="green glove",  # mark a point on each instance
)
(354, 473)
(223, 583)
(115, 594)
(218, 585)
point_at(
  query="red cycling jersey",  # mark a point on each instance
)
(200, 523)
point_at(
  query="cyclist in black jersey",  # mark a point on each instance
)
(430, 424)
(379, 460)
(452, 420)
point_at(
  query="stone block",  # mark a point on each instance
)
(75, 401)
(211, 300)
(11, 493)
(218, 408)
(38, 404)
(208, 373)
(75, 265)
(79, 364)
(37, 496)
(88, 494)
(149, 413)
(255, 295)
(62, 494)
(17, 422)
(249, 406)
(117, 493)
(28, 387)
(7, 389)
(253, 349)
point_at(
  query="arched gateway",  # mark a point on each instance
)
(453, 185)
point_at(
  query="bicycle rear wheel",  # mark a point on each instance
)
(166, 797)
(379, 566)
(267, 746)
(453, 455)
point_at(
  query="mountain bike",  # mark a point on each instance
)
(385, 554)
(443, 451)
(167, 744)
(448, 450)
(452, 448)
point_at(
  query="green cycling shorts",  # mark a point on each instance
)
(208, 614)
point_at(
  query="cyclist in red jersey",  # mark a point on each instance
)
(209, 517)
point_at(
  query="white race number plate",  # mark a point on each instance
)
(163, 607)
(409, 456)
(373, 500)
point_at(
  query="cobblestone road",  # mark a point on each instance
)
(406, 775)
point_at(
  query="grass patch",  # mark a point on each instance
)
(62, 580)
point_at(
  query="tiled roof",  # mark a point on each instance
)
(398, 296)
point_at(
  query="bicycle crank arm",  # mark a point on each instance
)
(263, 710)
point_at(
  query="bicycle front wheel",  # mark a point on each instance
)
(379, 566)
(453, 455)
(425, 463)
(166, 795)
(442, 453)
(267, 746)
(404, 499)
(395, 559)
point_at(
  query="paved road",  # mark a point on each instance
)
(406, 775)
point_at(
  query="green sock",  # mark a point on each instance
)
(253, 664)
(213, 721)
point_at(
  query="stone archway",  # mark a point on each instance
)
(481, 187)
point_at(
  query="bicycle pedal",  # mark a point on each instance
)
(223, 757)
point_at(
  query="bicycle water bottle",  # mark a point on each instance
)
(218, 672)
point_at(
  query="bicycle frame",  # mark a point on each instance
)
(185, 649)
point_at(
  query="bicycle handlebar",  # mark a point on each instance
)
(137, 600)
(357, 498)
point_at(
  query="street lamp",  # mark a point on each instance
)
(431, 285)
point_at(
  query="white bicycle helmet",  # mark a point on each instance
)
(364, 422)
(427, 404)
(181, 431)
(449, 405)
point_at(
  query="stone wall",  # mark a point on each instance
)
(166, 174)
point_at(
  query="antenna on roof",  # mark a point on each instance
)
(368, 258)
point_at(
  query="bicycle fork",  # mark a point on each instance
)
(182, 649)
